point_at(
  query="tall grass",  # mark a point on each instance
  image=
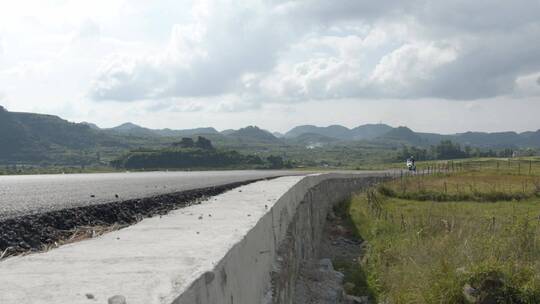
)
(427, 252)
(480, 186)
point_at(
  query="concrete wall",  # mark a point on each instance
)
(243, 246)
(263, 266)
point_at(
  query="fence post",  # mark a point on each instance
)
(401, 178)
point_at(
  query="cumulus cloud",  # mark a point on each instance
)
(206, 57)
(281, 51)
(528, 85)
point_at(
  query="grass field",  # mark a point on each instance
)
(476, 242)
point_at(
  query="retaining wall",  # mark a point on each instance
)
(240, 247)
(263, 267)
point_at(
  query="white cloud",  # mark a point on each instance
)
(408, 70)
(211, 56)
(206, 57)
(528, 85)
(292, 51)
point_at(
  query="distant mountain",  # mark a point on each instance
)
(132, 129)
(254, 133)
(312, 139)
(46, 139)
(228, 132)
(363, 132)
(28, 137)
(370, 131)
(531, 137)
(402, 134)
(278, 135)
(186, 132)
(335, 131)
(91, 125)
(493, 140)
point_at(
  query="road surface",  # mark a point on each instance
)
(30, 194)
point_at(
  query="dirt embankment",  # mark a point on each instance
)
(328, 280)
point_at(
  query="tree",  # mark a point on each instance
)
(446, 149)
(506, 153)
(204, 143)
(275, 162)
(418, 153)
(186, 142)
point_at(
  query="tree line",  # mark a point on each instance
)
(195, 154)
(447, 149)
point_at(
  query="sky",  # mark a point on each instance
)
(435, 66)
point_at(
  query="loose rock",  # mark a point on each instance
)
(117, 300)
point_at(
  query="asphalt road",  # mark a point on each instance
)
(30, 194)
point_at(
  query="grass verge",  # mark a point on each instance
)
(448, 246)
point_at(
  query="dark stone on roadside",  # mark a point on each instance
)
(349, 287)
(209, 277)
(487, 290)
(90, 296)
(356, 300)
(319, 283)
(326, 265)
(118, 299)
(470, 294)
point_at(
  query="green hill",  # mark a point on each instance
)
(253, 133)
(335, 131)
(402, 134)
(132, 129)
(34, 139)
(369, 131)
(28, 137)
(363, 132)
